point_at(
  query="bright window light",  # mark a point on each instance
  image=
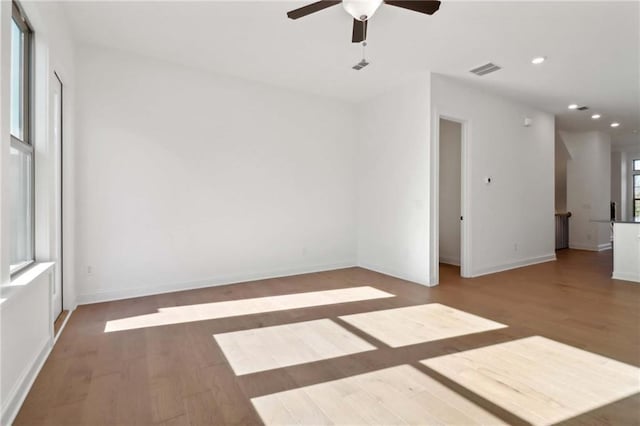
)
(260, 349)
(396, 395)
(419, 324)
(20, 182)
(232, 308)
(540, 380)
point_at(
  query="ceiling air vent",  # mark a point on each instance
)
(485, 69)
(582, 108)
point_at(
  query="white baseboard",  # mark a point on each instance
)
(64, 324)
(590, 247)
(13, 401)
(449, 260)
(106, 296)
(391, 273)
(581, 246)
(626, 276)
(513, 265)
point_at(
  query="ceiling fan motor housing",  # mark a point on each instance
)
(361, 9)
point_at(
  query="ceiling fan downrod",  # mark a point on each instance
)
(363, 63)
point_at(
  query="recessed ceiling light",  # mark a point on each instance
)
(615, 124)
(538, 60)
(596, 116)
(573, 106)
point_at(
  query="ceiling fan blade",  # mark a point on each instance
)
(359, 31)
(311, 8)
(423, 6)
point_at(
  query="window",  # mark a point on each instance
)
(636, 165)
(636, 197)
(21, 170)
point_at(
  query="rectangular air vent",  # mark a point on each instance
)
(485, 69)
(583, 108)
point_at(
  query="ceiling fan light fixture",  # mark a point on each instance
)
(361, 10)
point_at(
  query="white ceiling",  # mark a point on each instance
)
(593, 48)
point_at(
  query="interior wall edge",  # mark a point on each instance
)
(395, 274)
(513, 265)
(586, 247)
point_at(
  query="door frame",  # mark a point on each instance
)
(465, 200)
(60, 243)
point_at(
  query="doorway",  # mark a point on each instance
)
(57, 138)
(450, 194)
(450, 197)
(450, 221)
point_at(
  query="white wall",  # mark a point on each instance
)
(54, 52)
(188, 179)
(626, 252)
(26, 330)
(588, 189)
(511, 220)
(26, 334)
(393, 179)
(450, 191)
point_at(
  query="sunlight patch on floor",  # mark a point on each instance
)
(396, 395)
(540, 380)
(232, 308)
(259, 349)
(419, 324)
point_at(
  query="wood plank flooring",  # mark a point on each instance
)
(419, 324)
(259, 349)
(233, 308)
(395, 395)
(175, 373)
(540, 380)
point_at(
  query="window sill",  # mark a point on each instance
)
(19, 281)
(14, 270)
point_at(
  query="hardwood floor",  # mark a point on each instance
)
(395, 395)
(419, 324)
(531, 377)
(173, 371)
(266, 348)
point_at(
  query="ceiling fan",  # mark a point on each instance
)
(363, 10)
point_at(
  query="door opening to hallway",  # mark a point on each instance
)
(450, 197)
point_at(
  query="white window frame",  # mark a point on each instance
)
(25, 144)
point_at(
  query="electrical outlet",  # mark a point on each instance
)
(89, 270)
